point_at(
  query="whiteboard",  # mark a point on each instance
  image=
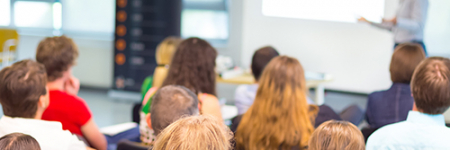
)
(325, 10)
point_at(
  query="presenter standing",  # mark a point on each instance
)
(408, 24)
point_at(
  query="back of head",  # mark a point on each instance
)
(405, 59)
(193, 66)
(171, 103)
(57, 54)
(337, 135)
(164, 53)
(195, 133)
(289, 122)
(18, 141)
(261, 58)
(21, 86)
(430, 85)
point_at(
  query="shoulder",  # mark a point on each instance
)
(388, 134)
(68, 100)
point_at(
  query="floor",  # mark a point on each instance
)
(109, 111)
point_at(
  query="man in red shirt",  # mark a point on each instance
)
(58, 55)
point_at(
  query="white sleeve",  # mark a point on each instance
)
(76, 144)
(418, 16)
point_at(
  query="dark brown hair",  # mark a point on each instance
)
(430, 85)
(18, 141)
(171, 103)
(21, 86)
(405, 59)
(261, 58)
(193, 66)
(57, 54)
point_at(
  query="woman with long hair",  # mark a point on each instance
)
(192, 66)
(280, 117)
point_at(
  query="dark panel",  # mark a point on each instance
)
(140, 26)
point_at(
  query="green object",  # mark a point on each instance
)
(148, 82)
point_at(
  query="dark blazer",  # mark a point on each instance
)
(390, 106)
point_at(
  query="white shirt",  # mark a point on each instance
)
(49, 134)
(411, 19)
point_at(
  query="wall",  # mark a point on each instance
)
(357, 55)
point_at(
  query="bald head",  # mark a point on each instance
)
(171, 103)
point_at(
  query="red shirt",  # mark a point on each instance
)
(71, 111)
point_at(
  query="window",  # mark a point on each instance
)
(5, 12)
(33, 14)
(206, 19)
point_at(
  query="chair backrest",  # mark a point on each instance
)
(9, 39)
(129, 145)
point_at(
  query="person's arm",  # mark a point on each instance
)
(93, 136)
(384, 25)
(210, 105)
(419, 12)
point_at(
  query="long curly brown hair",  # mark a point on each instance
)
(193, 66)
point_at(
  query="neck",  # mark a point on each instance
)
(58, 84)
(38, 115)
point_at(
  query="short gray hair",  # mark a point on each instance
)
(171, 103)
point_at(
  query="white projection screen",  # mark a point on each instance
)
(325, 10)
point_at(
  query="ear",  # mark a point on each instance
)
(148, 119)
(44, 100)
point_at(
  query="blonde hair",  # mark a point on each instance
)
(195, 133)
(337, 135)
(164, 53)
(280, 117)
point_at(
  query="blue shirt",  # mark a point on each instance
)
(390, 106)
(411, 18)
(419, 131)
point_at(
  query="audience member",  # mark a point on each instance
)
(393, 105)
(24, 98)
(59, 54)
(280, 117)
(19, 141)
(195, 133)
(424, 127)
(245, 94)
(337, 135)
(192, 66)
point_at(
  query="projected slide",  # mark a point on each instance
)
(325, 10)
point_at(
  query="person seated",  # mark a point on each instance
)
(18, 141)
(24, 98)
(171, 103)
(192, 66)
(280, 117)
(337, 135)
(245, 94)
(393, 105)
(424, 128)
(164, 53)
(58, 55)
(195, 133)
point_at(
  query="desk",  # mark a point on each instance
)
(313, 80)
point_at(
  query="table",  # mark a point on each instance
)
(313, 80)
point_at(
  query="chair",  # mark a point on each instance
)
(129, 145)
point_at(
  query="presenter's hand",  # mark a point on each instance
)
(210, 105)
(362, 19)
(72, 86)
